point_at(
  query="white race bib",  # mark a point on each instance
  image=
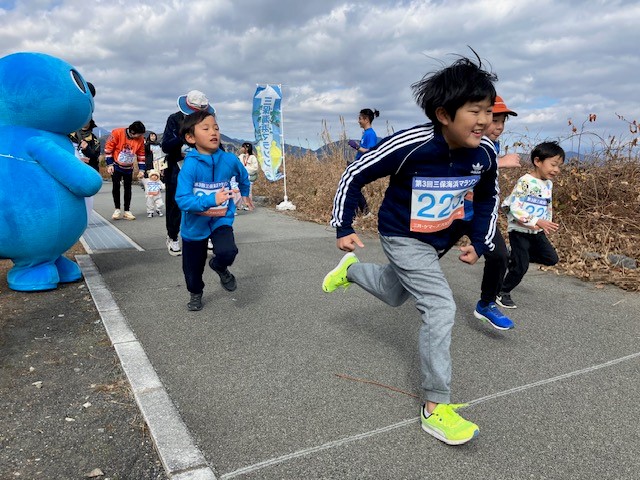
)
(437, 202)
(153, 188)
(536, 206)
(205, 188)
(126, 157)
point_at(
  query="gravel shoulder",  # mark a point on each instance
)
(66, 409)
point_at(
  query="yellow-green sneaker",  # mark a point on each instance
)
(446, 425)
(338, 276)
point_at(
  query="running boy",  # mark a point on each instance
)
(495, 264)
(431, 168)
(529, 213)
(205, 198)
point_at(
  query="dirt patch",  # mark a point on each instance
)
(66, 409)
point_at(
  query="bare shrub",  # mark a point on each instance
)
(596, 204)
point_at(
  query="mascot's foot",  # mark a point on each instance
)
(34, 278)
(44, 276)
(68, 271)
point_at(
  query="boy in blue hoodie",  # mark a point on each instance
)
(205, 197)
(431, 168)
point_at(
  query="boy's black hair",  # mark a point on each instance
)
(546, 150)
(190, 121)
(453, 86)
(137, 127)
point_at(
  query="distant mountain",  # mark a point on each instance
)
(234, 144)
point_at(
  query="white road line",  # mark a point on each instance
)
(404, 423)
(308, 451)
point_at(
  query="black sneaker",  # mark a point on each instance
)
(504, 300)
(227, 279)
(195, 303)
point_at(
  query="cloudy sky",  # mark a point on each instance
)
(555, 59)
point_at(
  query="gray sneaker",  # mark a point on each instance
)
(195, 303)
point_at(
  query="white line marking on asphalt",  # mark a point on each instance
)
(308, 451)
(555, 379)
(404, 423)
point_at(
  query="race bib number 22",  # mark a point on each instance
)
(437, 202)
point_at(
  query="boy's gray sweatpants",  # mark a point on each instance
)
(414, 270)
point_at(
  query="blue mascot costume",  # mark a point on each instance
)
(43, 186)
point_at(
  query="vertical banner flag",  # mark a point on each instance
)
(267, 119)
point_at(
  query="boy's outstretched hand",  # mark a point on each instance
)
(248, 202)
(547, 226)
(468, 254)
(510, 160)
(349, 243)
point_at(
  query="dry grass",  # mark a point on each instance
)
(596, 205)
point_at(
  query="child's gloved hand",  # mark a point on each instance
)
(354, 144)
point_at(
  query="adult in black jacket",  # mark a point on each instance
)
(87, 144)
(172, 145)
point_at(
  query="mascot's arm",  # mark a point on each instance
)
(80, 179)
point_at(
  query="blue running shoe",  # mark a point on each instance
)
(492, 314)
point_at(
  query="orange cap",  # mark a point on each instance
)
(501, 107)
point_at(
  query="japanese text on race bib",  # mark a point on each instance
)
(204, 188)
(437, 202)
(536, 206)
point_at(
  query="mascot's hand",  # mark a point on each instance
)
(79, 178)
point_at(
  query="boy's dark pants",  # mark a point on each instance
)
(126, 178)
(525, 248)
(194, 256)
(495, 262)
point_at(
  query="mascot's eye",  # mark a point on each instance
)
(77, 78)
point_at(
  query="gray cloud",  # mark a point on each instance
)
(555, 60)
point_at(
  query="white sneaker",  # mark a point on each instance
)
(210, 245)
(128, 215)
(174, 247)
(160, 214)
(150, 215)
(117, 214)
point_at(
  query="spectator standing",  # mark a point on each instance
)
(124, 147)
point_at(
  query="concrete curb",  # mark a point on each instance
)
(181, 458)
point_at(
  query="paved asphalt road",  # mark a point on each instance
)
(255, 380)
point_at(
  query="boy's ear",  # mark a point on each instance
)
(189, 138)
(442, 116)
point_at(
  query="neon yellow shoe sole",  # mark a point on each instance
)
(338, 276)
(447, 426)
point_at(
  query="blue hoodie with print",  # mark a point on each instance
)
(199, 179)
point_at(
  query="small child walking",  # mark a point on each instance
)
(529, 213)
(205, 197)
(153, 189)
